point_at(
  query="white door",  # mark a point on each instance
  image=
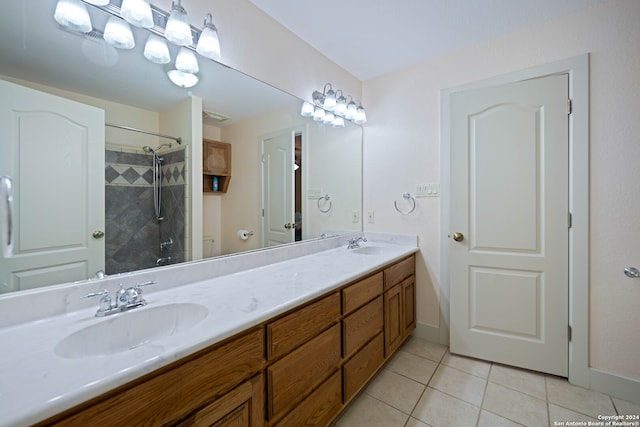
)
(509, 204)
(53, 149)
(278, 189)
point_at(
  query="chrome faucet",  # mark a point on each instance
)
(355, 242)
(125, 299)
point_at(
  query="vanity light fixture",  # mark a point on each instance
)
(178, 30)
(118, 33)
(137, 12)
(333, 108)
(72, 15)
(208, 42)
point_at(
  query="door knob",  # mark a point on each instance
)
(288, 226)
(98, 234)
(458, 237)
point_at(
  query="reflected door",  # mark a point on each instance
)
(278, 189)
(53, 149)
(509, 247)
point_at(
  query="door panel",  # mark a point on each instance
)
(54, 150)
(509, 195)
(278, 189)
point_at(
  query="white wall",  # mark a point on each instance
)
(402, 140)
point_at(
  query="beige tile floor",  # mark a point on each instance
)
(425, 385)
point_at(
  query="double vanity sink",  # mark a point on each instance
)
(55, 362)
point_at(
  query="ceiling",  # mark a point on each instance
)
(370, 38)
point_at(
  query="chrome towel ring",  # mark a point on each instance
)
(326, 198)
(407, 197)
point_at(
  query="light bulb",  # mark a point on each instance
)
(361, 116)
(338, 122)
(307, 110)
(341, 106)
(330, 100)
(186, 61)
(328, 118)
(73, 15)
(351, 112)
(137, 12)
(208, 43)
(156, 50)
(178, 30)
(318, 114)
(118, 34)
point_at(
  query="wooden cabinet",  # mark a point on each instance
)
(216, 165)
(241, 407)
(172, 394)
(399, 303)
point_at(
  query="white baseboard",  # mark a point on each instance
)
(617, 386)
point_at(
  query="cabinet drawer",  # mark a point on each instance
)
(358, 294)
(290, 379)
(362, 366)
(287, 333)
(399, 271)
(361, 326)
(175, 393)
(319, 408)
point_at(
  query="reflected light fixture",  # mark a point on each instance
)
(137, 12)
(118, 33)
(156, 50)
(178, 30)
(331, 108)
(72, 15)
(182, 79)
(208, 42)
(186, 61)
(97, 2)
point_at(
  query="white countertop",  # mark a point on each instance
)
(35, 383)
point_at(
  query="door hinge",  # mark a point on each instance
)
(569, 333)
(569, 220)
(262, 212)
(569, 106)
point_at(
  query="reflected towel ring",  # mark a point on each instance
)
(406, 196)
(325, 197)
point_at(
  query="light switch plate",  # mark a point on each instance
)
(430, 189)
(355, 217)
(371, 217)
(314, 193)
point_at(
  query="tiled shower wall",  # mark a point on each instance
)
(132, 233)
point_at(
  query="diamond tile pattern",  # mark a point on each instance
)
(423, 385)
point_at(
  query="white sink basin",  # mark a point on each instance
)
(368, 250)
(128, 330)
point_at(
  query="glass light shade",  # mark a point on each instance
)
(338, 122)
(98, 2)
(156, 50)
(118, 34)
(328, 118)
(186, 61)
(208, 43)
(182, 79)
(73, 15)
(341, 106)
(351, 112)
(318, 114)
(330, 100)
(137, 12)
(178, 30)
(307, 109)
(361, 116)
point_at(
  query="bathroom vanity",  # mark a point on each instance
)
(287, 343)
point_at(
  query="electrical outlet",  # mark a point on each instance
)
(355, 217)
(314, 193)
(370, 217)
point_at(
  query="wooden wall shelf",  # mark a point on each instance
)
(216, 164)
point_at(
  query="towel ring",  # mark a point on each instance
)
(325, 197)
(406, 196)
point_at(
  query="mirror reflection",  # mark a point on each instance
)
(228, 165)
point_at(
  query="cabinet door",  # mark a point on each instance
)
(393, 320)
(409, 305)
(216, 157)
(241, 407)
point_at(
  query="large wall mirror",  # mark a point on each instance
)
(291, 179)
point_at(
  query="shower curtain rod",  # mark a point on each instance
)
(175, 138)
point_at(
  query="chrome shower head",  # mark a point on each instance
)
(148, 149)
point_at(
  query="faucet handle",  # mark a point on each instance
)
(140, 285)
(105, 301)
